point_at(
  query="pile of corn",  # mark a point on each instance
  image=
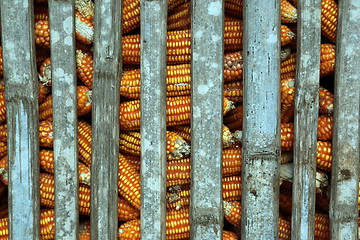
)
(178, 118)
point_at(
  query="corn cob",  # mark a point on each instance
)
(178, 172)
(326, 101)
(288, 12)
(125, 210)
(134, 161)
(177, 112)
(41, 54)
(179, 196)
(287, 136)
(84, 142)
(86, 8)
(45, 72)
(83, 104)
(322, 226)
(324, 155)
(46, 134)
(184, 131)
(232, 214)
(329, 15)
(47, 225)
(41, 12)
(323, 200)
(233, 119)
(176, 146)
(1, 63)
(42, 33)
(47, 164)
(233, 91)
(233, 63)
(327, 62)
(325, 127)
(179, 18)
(129, 182)
(178, 43)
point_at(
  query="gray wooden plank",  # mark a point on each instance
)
(105, 119)
(153, 15)
(345, 169)
(306, 118)
(206, 205)
(261, 125)
(22, 118)
(63, 69)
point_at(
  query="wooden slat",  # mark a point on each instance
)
(261, 125)
(306, 118)
(345, 169)
(22, 117)
(153, 118)
(207, 27)
(64, 99)
(105, 119)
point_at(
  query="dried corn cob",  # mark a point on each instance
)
(179, 18)
(185, 132)
(47, 225)
(42, 33)
(232, 213)
(329, 15)
(83, 104)
(47, 164)
(41, 12)
(134, 161)
(86, 8)
(233, 63)
(46, 134)
(129, 182)
(233, 91)
(324, 155)
(233, 119)
(287, 113)
(45, 72)
(177, 112)
(178, 43)
(326, 101)
(1, 63)
(285, 201)
(176, 146)
(288, 12)
(325, 123)
(3, 149)
(178, 172)
(322, 226)
(287, 136)
(2, 108)
(179, 196)
(84, 142)
(125, 210)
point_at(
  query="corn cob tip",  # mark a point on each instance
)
(181, 150)
(85, 178)
(229, 105)
(238, 136)
(322, 180)
(285, 52)
(228, 139)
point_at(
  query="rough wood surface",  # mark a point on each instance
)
(105, 119)
(153, 118)
(306, 118)
(63, 77)
(22, 118)
(206, 217)
(261, 125)
(345, 168)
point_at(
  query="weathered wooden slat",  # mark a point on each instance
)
(345, 169)
(206, 217)
(105, 119)
(63, 69)
(306, 117)
(22, 118)
(261, 125)
(153, 118)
